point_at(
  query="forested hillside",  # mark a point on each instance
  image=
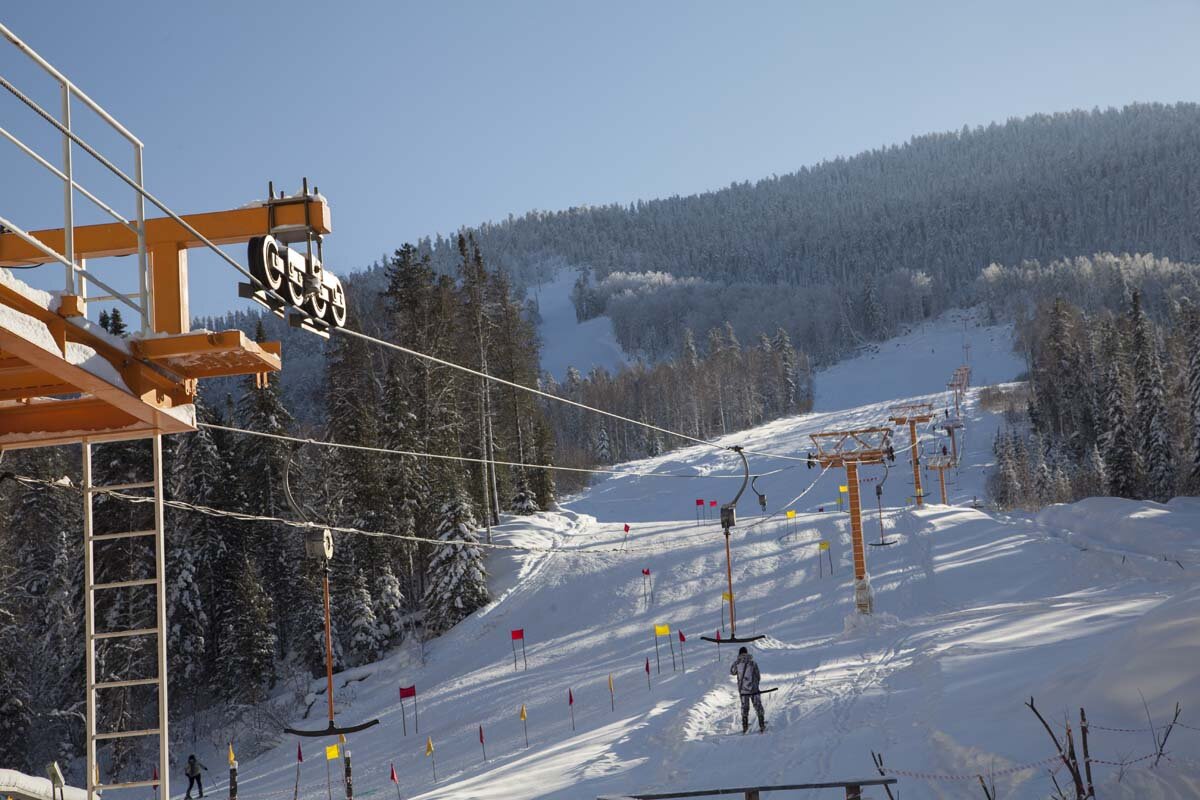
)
(913, 223)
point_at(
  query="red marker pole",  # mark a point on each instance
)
(482, 744)
(647, 674)
(719, 644)
(657, 661)
(571, 705)
(682, 663)
(671, 642)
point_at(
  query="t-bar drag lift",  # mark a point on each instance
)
(729, 520)
(318, 545)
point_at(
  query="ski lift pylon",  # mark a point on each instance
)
(318, 545)
(729, 520)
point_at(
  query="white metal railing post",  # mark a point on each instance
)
(68, 190)
(147, 298)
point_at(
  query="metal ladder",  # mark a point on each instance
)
(158, 582)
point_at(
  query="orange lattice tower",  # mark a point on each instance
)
(847, 450)
(912, 414)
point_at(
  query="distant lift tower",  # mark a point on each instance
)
(912, 414)
(847, 450)
(65, 381)
(940, 464)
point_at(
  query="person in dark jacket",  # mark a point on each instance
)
(746, 671)
(192, 770)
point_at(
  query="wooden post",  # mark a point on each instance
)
(752, 794)
(853, 791)
(1087, 758)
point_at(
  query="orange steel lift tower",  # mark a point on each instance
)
(65, 381)
(940, 464)
(911, 414)
(847, 450)
(959, 383)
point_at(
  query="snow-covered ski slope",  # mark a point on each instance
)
(975, 613)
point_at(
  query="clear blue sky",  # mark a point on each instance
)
(417, 118)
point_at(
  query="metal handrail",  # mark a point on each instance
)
(75, 90)
(57, 256)
(75, 270)
(27, 150)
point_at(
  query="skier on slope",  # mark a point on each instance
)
(192, 770)
(748, 677)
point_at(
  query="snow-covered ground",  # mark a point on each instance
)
(568, 343)
(1090, 605)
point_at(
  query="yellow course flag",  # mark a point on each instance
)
(726, 596)
(522, 719)
(429, 746)
(824, 545)
(231, 757)
(662, 630)
(331, 752)
(791, 513)
(610, 683)
(843, 488)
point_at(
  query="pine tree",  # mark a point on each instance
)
(1150, 419)
(872, 310)
(1193, 383)
(16, 706)
(601, 448)
(542, 480)
(524, 502)
(247, 658)
(457, 578)
(389, 604)
(367, 637)
(1120, 457)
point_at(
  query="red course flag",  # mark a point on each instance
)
(481, 734)
(518, 634)
(718, 636)
(155, 774)
(647, 665)
(699, 501)
(682, 638)
(712, 503)
(299, 754)
(408, 691)
(570, 697)
(645, 570)
(394, 779)
(627, 527)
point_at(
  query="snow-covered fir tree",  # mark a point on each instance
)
(457, 578)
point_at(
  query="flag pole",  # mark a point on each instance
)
(403, 716)
(482, 744)
(296, 790)
(416, 715)
(396, 782)
(671, 642)
(523, 656)
(647, 674)
(682, 663)
(612, 695)
(514, 649)
(656, 659)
